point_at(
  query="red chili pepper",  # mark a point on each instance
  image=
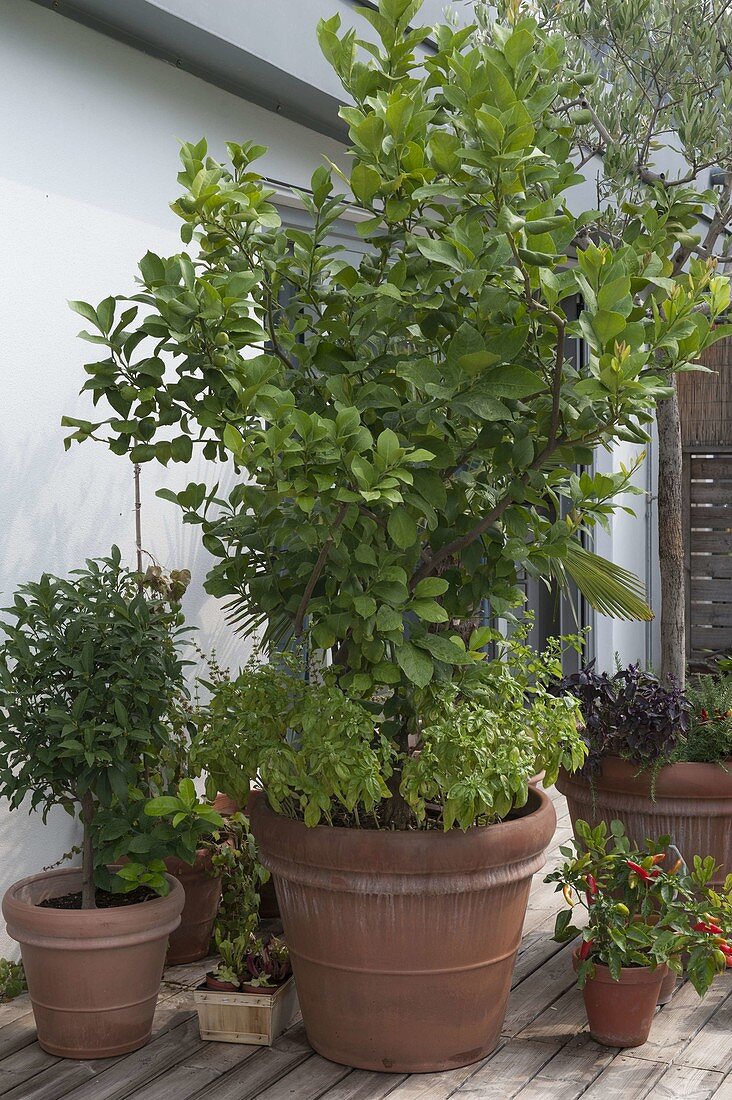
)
(591, 893)
(585, 948)
(641, 872)
(712, 929)
(658, 858)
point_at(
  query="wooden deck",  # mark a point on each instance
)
(545, 1053)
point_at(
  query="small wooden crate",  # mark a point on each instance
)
(246, 1017)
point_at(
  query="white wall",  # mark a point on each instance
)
(89, 132)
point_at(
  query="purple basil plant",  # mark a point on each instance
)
(629, 714)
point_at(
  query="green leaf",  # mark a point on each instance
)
(365, 606)
(416, 665)
(365, 182)
(402, 528)
(430, 611)
(513, 381)
(430, 586)
(442, 649)
(607, 325)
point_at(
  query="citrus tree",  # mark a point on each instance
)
(408, 426)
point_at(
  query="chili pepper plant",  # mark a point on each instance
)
(641, 907)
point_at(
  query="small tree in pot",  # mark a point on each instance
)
(87, 670)
(411, 424)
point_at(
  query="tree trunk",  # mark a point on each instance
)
(88, 891)
(671, 541)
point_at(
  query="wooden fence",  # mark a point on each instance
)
(706, 425)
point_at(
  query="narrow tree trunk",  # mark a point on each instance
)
(88, 891)
(671, 541)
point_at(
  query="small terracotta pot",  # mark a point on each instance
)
(403, 943)
(668, 986)
(537, 779)
(202, 889)
(693, 805)
(220, 987)
(620, 1013)
(93, 974)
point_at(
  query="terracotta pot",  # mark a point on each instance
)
(537, 779)
(192, 937)
(403, 943)
(668, 986)
(620, 1013)
(693, 804)
(219, 986)
(225, 805)
(93, 975)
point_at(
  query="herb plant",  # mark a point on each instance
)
(250, 959)
(640, 912)
(709, 737)
(88, 667)
(319, 757)
(630, 714)
(410, 422)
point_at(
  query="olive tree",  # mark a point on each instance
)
(408, 426)
(657, 79)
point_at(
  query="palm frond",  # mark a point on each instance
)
(607, 587)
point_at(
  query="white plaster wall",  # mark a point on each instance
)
(89, 132)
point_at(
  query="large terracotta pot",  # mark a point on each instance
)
(190, 941)
(403, 943)
(693, 805)
(620, 1013)
(93, 975)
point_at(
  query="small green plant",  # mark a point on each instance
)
(12, 980)
(242, 877)
(252, 959)
(88, 668)
(638, 912)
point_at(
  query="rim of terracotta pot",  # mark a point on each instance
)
(100, 929)
(418, 860)
(684, 780)
(629, 975)
(202, 862)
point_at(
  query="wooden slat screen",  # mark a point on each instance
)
(709, 557)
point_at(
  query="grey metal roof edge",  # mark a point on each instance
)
(256, 80)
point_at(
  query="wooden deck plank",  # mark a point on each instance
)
(533, 997)
(625, 1079)
(508, 1071)
(711, 1047)
(677, 1023)
(686, 1083)
(307, 1081)
(363, 1085)
(259, 1072)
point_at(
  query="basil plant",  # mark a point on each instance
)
(407, 425)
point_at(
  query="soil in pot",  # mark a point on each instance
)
(403, 943)
(93, 974)
(693, 805)
(190, 941)
(620, 1013)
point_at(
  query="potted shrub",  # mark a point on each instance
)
(410, 422)
(641, 920)
(250, 997)
(658, 759)
(87, 668)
